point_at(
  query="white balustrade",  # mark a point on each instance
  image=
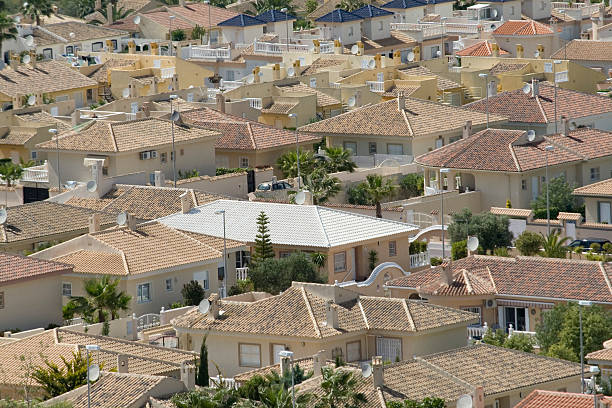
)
(209, 53)
(242, 273)
(147, 321)
(130, 116)
(477, 331)
(419, 260)
(376, 86)
(227, 85)
(38, 174)
(167, 72)
(279, 48)
(326, 48)
(254, 102)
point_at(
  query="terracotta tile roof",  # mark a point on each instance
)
(443, 83)
(297, 312)
(540, 277)
(323, 64)
(198, 13)
(585, 50)
(323, 99)
(44, 117)
(48, 76)
(502, 67)
(82, 32)
(15, 267)
(17, 136)
(520, 107)
(384, 119)
(508, 150)
(604, 354)
(97, 136)
(242, 134)
(522, 28)
(280, 107)
(395, 90)
(556, 15)
(599, 189)
(163, 18)
(465, 283)
(511, 212)
(569, 216)
(100, 75)
(556, 399)
(480, 49)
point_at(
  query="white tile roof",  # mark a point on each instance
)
(305, 225)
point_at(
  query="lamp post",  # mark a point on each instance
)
(171, 17)
(486, 78)
(297, 149)
(90, 347)
(289, 354)
(547, 149)
(582, 303)
(442, 19)
(54, 134)
(555, 63)
(222, 212)
(207, 2)
(284, 10)
(442, 171)
(173, 117)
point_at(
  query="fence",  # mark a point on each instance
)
(278, 48)
(167, 72)
(222, 381)
(242, 273)
(147, 321)
(419, 260)
(376, 86)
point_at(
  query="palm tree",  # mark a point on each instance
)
(37, 8)
(319, 259)
(118, 14)
(198, 32)
(554, 246)
(377, 190)
(350, 5)
(339, 159)
(287, 163)
(262, 6)
(8, 31)
(102, 300)
(9, 172)
(322, 186)
(277, 396)
(339, 389)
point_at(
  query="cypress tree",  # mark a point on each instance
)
(202, 378)
(263, 245)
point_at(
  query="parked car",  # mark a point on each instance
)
(274, 186)
(587, 242)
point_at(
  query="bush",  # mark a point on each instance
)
(520, 342)
(224, 170)
(540, 213)
(416, 247)
(193, 293)
(529, 243)
(358, 195)
(435, 261)
(412, 185)
(275, 275)
(459, 250)
(491, 230)
(501, 252)
(372, 259)
(495, 338)
(241, 286)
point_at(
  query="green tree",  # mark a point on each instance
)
(311, 5)
(56, 380)
(529, 243)
(102, 301)
(412, 185)
(560, 198)
(520, 341)
(198, 32)
(319, 259)
(276, 275)
(492, 230)
(241, 286)
(178, 35)
(76, 8)
(372, 259)
(277, 396)
(339, 159)
(377, 190)
(220, 397)
(339, 389)
(202, 377)
(35, 9)
(287, 163)
(8, 31)
(459, 250)
(192, 293)
(351, 5)
(428, 402)
(263, 244)
(358, 195)
(554, 246)
(251, 388)
(322, 186)
(117, 14)
(261, 6)
(10, 172)
(495, 337)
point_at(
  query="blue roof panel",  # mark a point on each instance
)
(370, 11)
(272, 16)
(339, 16)
(406, 4)
(241, 20)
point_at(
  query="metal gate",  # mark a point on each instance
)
(250, 181)
(32, 194)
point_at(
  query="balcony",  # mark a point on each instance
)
(242, 273)
(254, 103)
(376, 86)
(434, 30)
(209, 53)
(35, 174)
(326, 48)
(167, 73)
(419, 260)
(278, 48)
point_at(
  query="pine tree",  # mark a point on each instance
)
(202, 378)
(263, 245)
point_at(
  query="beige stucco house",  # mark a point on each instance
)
(597, 200)
(603, 358)
(537, 39)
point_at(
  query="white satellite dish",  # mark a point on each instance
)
(464, 401)
(411, 56)
(3, 216)
(531, 135)
(354, 49)
(291, 71)
(31, 100)
(175, 116)
(438, 53)
(536, 54)
(125, 93)
(352, 101)
(92, 186)
(366, 370)
(204, 306)
(29, 41)
(26, 59)
(526, 88)
(71, 184)
(94, 372)
(137, 20)
(372, 64)
(472, 243)
(300, 198)
(494, 13)
(122, 218)
(250, 79)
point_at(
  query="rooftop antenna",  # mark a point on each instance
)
(526, 89)
(3, 216)
(354, 49)
(531, 135)
(204, 306)
(366, 370)
(92, 186)
(31, 98)
(472, 244)
(464, 401)
(122, 218)
(300, 198)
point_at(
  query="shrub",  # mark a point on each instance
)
(502, 251)
(416, 247)
(435, 261)
(459, 250)
(521, 342)
(193, 293)
(372, 259)
(529, 243)
(412, 185)
(224, 170)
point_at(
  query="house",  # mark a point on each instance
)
(544, 399)
(245, 143)
(411, 11)
(376, 22)
(152, 261)
(326, 105)
(492, 376)
(597, 200)
(141, 145)
(278, 23)
(340, 25)
(482, 48)
(589, 53)
(504, 165)
(308, 317)
(114, 354)
(241, 29)
(399, 127)
(47, 81)
(602, 358)
(487, 285)
(536, 38)
(346, 238)
(535, 110)
(536, 9)
(504, 9)
(19, 275)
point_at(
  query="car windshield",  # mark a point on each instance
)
(263, 186)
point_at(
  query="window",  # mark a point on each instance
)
(284, 254)
(340, 262)
(603, 212)
(512, 10)
(70, 49)
(105, 171)
(523, 184)
(392, 248)
(169, 287)
(243, 258)
(34, 155)
(1, 300)
(276, 349)
(244, 162)
(473, 309)
(97, 46)
(594, 173)
(515, 316)
(372, 147)
(202, 278)
(390, 349)
(48, 53)
(144, 293)
(352, 146)
(353, 351)
(114, 42)
(249, 355)
(439, 142)
(67, 289)
(434, 51)
(396, 149)
(230, 75)
(543, 5)
(163, 157)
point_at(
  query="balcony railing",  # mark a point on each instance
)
(376, 86)
(242, 273)
(419, 260)
(37, 174)
(167, 72)
(209, 53)
(477, 331)
(326, 48)
(227, 85)
(279, 48)
(254, 103)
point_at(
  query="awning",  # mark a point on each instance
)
(524, 303)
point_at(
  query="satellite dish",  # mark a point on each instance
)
(126, 93)
(354, 49)
(17, 19)
(204, 306)
(250, 79)
(438, 53)
(411, 56)
(536, 54)
(464, 401)
(94, 372)
(26, 59)
(92, 186)
(352, 101)
(492, 26)
(372, 64)
(494, 13)
(3, 216)
(71, 184)
(291, 71)
(531, 135)
(29, 40)
(175, 116)
(122, 218)
(31, 100)
(366, 370)
(300, 198)
(137, 20)
(526, 88)
(472, 243)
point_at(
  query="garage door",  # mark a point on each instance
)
(389, 349)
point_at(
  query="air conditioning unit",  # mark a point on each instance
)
(145, 155)
(491, 303)
(153, 154)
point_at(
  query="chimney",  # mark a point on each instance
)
(378, 372)
(495, 49)
(33, 60)
(154, 48)
(109, 13)
(159, 178)
(185, 202)
(331, 315)
(595, 28)
(446, 273)
(378, 60)
(122, 363)
(188, 374)
(520, 51)
(535, 88)
(94, 223)
(467, 129)
(221, 102)
(256, 74)
(131, 222)
(131, 47)
(337, 47)
(360, 48)
(98, 4)
(540, 51)
(17, 101)
(401, 101)
(565, 126)
(146, 109)
(397, 58)
(275, 72)
(14, 60)
(317, 47)
(213, 310)
(478, 400)
(285, 366)
(318, 362)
